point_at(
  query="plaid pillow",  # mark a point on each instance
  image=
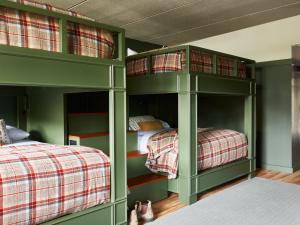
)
(169, 62)
(90, 41)
(242, 73)
(201, 62)
(4, 138)
(225, 66)
(134, 121)
(29, 30)
(136, 67)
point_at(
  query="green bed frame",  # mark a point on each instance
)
(21, 67)
(188, 85)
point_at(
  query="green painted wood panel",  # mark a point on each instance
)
(46, 116)
(132, 141)
(136, 167)
(220, 85)
(14, 108)
(274, 112)
(88, 123)
(46, 72)
(88, 216)
(220, 175)
(154, 191)
(148, 84)
(120, 212)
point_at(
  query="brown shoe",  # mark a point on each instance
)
(145, 211)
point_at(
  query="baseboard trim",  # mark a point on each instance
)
(284, 169)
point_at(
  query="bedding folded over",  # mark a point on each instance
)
(216, 147)
(40, 182)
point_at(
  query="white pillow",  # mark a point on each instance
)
(133, 121)
(16, 134)
(165, 124)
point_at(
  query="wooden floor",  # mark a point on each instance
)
(172, 203)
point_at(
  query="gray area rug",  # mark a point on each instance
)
(253, 202)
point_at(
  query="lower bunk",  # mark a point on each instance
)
(45, 183)
(222, 156)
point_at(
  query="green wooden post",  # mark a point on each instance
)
(250, 124)
(118, 127)
(63, 36)
(187, 129)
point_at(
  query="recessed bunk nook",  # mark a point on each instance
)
(200, 93)
(62, 79)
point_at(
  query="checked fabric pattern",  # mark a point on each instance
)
(216, 147)
(40, 182)
(29, 30)
(172, 62)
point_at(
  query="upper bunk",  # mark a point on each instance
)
(41, 45)
(189, 68)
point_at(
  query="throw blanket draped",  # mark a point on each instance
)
(216, 147)
(40, 182)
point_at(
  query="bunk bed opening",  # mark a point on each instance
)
(203, 81)
(51, 117)
(88, 119)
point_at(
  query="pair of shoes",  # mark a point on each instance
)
(145, 211)
(141, 211)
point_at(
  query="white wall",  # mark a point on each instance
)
(270, 41)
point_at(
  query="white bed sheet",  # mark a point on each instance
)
(143, 137)
(24, 142)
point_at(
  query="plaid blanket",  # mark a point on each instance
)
(225, 66)
(201, 62)
(216, 147)
(163, 153)
(137, 67)
(171, 62)
(29, 30)
(40, 182)
(241, 70)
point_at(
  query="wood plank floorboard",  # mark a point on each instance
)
(172, 203)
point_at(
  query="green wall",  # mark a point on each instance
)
(140, 46)
(46, 116)
(274, 116)
(13, 106)
(8, 109)
(213, 111)
(221, 112)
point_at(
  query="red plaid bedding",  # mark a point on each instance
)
(29, 30)
(225, 66)
(242, 72)
(171, 62)
(40, 182)
(201, 62)
(137, 67)
(216, 147)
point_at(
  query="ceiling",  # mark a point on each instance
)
(170, 22)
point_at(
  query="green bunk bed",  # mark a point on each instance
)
(191, 73)
(47, 55)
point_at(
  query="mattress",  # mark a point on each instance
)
(143, 138)
(29, 30)
(40, 182)
(216, 147)
(176, 61)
